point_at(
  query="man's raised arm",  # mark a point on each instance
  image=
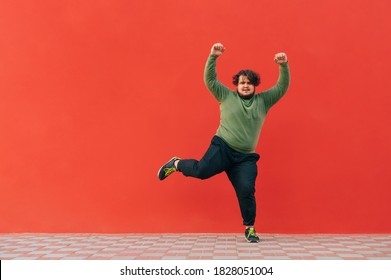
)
(210, 76)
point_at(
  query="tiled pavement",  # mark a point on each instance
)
(192, 246)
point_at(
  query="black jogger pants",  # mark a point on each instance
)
(240, 168)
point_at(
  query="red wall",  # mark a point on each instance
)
(96, 95)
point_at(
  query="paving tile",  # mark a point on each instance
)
(25, 249)
(384, 249)
(273, 251)
(313, 247)
(9, 256)
(66, 249)
(25, 258)
(38, 252)
(193, 246)
(299, 254)
(56, 256)
(341, 249)
(110, 249)
(290, 249)
(368, 253)
(225, 257)
(73, 258)
(327, 258)
(173, 257)
(351, 256)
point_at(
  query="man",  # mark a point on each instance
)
(232, 149)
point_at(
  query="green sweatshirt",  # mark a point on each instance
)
(241, 119)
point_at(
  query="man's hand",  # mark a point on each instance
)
(281, 58)
(217, 49)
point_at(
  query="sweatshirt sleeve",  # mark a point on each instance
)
(272, 95)
(216, 88)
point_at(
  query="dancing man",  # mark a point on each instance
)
(232, 149)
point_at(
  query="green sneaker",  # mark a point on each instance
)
(167, 169)
(251, 235)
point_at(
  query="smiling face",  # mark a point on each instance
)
(245, 88)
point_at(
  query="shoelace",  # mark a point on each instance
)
(168, 171)
(252, 232)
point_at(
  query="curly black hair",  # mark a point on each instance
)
(251, 75)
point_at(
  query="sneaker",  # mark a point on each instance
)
(167, 169)
(251, 235)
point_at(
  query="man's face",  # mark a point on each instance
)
(244, 86)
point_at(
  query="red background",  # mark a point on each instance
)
(96, 95)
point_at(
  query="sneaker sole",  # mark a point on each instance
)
(249, 241)
(162, 167)
(252, 241)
